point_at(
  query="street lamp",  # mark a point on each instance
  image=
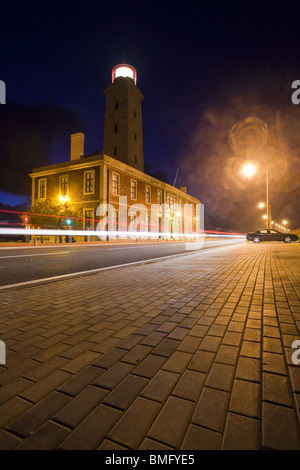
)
(249, 170)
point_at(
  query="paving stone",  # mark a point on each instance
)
(11, 409)
(78, 382)
(190, 385)
(150, 444)
(198, 438)
(137, 354)
(37, 415)
(124, 394)
(114, 375)
(8, 441)
(45, 386)
(166, 347)
(160, 386)
(248, 369)
(47, 437)
(202, 361)
(280, 430)
(77, 409)
(134, 424)
(251, 349)
(241, 433)
(110, 358)
(211, 409)
(171, 423)
(276, 389)
(245, 398)
(150, 366)
(178, 362)
(220, 377)
(89, 434)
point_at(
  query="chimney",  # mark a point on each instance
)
(77, 146)
(183, 189)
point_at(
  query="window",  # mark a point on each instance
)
(115, 183)
(42, 189)
(159, 197)
(134, 114)
(117, 105)
(115, 151)
(116, 127)
(135, 159)
(64, 185)
(134, 136)
(133, 224)
(133, 189)
(148, 194)
(89, 181)
(115, 221)
(89, 219)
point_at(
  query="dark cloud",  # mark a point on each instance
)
(27, 136)
(12, 214)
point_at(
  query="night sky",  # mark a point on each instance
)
(201, 66)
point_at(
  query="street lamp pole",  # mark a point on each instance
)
(267, 202)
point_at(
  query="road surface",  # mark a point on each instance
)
(25, 264)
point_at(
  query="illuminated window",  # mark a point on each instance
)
(148, 194)
(89, 219)
(64, 185)
(159, 197)
(133, 189)
(42, 188)
(115, 183)
(88, 182)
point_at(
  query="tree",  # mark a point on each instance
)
(46, 214)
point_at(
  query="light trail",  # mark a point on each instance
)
(115, 233)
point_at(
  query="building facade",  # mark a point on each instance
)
(111, 187)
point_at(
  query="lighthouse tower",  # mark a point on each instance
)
(123, 132)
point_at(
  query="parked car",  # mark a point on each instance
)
(271, 235)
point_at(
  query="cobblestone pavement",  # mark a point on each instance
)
(188, 353)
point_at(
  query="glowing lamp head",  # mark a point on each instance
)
(124, 70)
(249, 170)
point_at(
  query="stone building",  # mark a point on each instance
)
(116, 176)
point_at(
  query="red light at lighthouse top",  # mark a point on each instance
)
(124, 70)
